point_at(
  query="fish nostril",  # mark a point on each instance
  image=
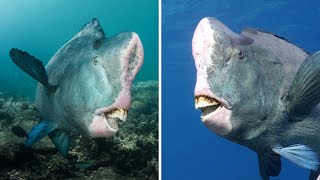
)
(241, 54)
(95, 60)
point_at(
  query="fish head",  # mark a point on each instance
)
(96, 95)
(238, 81)
(120, 60)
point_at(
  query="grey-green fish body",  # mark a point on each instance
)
(260, 91)
(86, 85)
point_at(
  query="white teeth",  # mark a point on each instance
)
(118, 113)
(204, 101)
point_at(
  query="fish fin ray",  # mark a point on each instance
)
(38, 132)
(269, 165)
(32, 66)
(61, 140)
(299, 154)
(304, 93)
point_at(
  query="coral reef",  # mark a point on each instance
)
(131, 154)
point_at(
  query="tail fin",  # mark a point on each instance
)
(31, 66)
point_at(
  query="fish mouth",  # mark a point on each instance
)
(207, 104)
(216, 113)
(114, 117)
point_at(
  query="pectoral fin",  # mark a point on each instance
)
(61, 140)
(300, 154)
(31, 66)
(269, 165)
(304, 93)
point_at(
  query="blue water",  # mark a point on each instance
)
(42, 27)
(189, 150)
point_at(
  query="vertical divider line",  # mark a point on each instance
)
(160, 90)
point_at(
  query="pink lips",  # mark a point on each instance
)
(98, 128)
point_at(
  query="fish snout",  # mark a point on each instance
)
(211, 48)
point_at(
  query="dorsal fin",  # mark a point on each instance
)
(255, 31)
(92, 28)
(264, 31)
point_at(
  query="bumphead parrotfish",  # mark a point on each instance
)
(85, 87)
(260, 91)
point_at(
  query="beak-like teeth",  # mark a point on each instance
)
(118, 113)
(204, 101)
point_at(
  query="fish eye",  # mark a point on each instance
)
(95, 60)
(240, 54)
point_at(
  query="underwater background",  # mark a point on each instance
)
(189, 149)
(42, 27)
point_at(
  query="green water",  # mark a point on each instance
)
(42, 27)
